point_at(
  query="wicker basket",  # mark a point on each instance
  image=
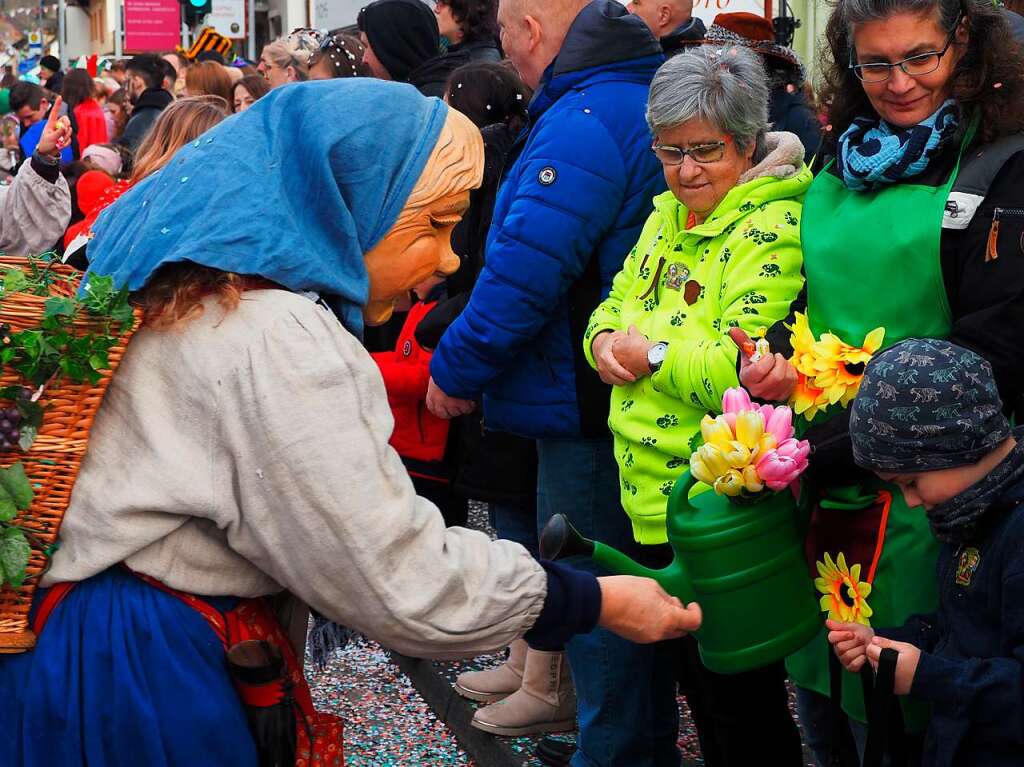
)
(54, 459)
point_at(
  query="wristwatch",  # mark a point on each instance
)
(656, 356)
(47, 159)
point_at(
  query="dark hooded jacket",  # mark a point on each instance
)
(578, 189)
(684, 35)
(147, 109)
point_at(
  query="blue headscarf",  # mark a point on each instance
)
(296, 189)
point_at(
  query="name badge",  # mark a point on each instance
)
(970, 558)
(676, 276)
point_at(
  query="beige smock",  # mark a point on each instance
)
(248, 453)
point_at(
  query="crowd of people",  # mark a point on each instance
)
(517, 256)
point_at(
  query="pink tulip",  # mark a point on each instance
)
(779, 423)
(779, 468)
(736, 400)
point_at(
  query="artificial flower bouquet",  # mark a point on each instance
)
(829, 371)
(749, 449)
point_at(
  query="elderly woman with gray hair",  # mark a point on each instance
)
(720, 251)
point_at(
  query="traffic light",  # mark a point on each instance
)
(195, 10)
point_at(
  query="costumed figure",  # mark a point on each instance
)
(241, 452)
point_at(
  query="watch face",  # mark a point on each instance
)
(657, 353)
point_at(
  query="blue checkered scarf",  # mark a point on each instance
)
(873, 153)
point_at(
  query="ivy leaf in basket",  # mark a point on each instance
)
(16, 491)
(59, 306)
(31, 422)
(102, 298)
(15, 281)
(14, 554)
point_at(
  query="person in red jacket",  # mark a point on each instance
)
(419, 437)
(90, 119)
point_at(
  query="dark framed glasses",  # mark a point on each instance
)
(915, 66)
(701, 153)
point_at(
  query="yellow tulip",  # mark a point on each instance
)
(736, 454)
(700, 471)
(713, 459)
(751, 480)
(730, 484)
(765, 444)
(749, 428)
(716, 431)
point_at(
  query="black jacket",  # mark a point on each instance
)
(788, 111)
(490, 466)
(431, 77)
(986, 297)
(151, 103)
(684, 36)
(972, 662)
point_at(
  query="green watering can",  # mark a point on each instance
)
(743, 564)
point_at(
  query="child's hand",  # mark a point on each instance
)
(850, 642)
(906, 663)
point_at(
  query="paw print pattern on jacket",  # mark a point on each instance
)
(667, 421)
(760, 237)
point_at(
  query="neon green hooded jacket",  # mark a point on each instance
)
(739, 268)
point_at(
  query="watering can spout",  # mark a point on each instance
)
(560, 539)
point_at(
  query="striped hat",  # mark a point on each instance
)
(209, 40)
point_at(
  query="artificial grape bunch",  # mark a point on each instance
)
(10, 428)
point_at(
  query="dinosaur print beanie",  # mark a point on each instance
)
(925, 405)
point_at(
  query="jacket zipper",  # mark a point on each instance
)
(991, 251)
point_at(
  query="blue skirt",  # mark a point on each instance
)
(123, 675)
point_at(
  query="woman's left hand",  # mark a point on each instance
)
(638, 609)
(631, 352)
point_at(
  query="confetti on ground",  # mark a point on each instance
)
(388, 724)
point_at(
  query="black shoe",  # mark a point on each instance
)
(556, 753)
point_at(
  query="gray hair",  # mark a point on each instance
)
(726, 87)
(859, 11)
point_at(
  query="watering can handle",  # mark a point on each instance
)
(560, 539)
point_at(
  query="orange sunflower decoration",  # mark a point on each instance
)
(836, 578)
(829, 371)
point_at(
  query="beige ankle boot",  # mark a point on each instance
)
(545, 703)
(495, 683)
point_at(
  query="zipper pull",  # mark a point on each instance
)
(991, 251)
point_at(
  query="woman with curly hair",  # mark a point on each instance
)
(915, 225)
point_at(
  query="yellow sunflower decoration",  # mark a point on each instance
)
(829, 371)
(851, 607)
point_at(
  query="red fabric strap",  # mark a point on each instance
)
(260, 695)
(54, 597)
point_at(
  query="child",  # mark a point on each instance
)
(929, 419)
(420, 438)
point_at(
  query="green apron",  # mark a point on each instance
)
(873, 259)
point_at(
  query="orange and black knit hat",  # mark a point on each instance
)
(209, 40)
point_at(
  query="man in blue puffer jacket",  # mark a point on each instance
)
(570, 208)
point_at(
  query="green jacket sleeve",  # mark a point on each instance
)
(761, 280)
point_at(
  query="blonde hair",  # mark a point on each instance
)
(208, 78)
(181, 122)
(293, 51)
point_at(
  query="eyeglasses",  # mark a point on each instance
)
(915, 66)
(701, 153)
